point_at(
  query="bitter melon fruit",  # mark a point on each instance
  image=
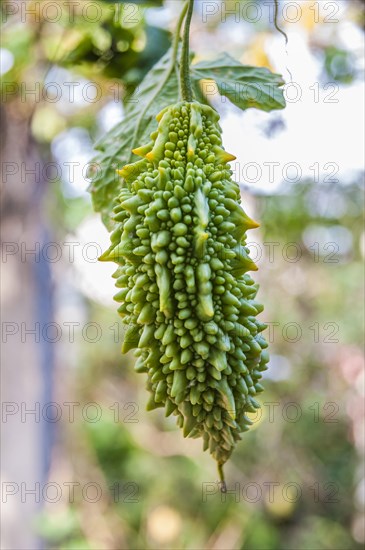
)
(184, 291)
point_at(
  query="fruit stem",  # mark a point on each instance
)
(175, 46)
(185, 81)
(221, 478)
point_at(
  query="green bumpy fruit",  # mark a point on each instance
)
(185, 294)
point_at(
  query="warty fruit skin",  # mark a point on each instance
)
(183, 284)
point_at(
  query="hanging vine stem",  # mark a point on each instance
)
(175, 47)
(276, 15)
(185, 80)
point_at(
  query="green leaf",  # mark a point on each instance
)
(245, 86)
(158, 89)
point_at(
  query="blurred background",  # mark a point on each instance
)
(83, 465)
